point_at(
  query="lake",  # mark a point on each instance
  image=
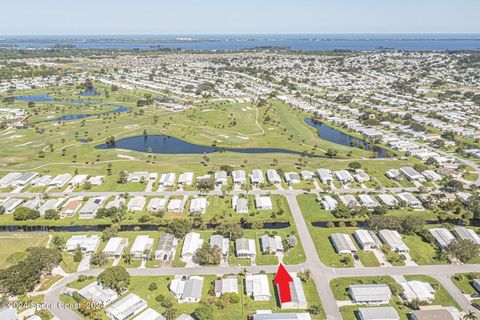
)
(48, 98)
(162, 144)
(336, 136)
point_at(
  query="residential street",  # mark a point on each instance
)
(321, 274)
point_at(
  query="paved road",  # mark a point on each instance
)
(313, 262)
(321, 274)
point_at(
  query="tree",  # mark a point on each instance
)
(21, 213)
(115, 278)
(99, 259)
(2, 210)
(58, 242)
(33, 214)
(305, 275)
(463, 250)
(453, 185)
(152, 286)
(315, 310)
(384, 222)
(354, 165)
(171, 314)
(25, 275)
(208, 255)
(412, 224)
(206, 184)
(78, 255)
(233, 231)
(380, 210)
(52, 214)
(179, 227)
(331, 152)
(167, 303)
(110, 232)
(203, 312)
(123, 177)
(342, 211)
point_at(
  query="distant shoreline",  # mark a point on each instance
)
(305, 42)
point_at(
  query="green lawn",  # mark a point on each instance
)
(421, 251)
(327, 254)
(464, 282)
(340, 290)
(246, 306)
(442, 297)
(13, 245)
(340, 286)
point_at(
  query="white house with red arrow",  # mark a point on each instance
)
(289, 289)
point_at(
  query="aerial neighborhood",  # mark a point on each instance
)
(262, 184)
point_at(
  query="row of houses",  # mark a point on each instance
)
(115, 247)
(423, 313)
(371, 201)
(443, 237)
(88, 210)
(17, 179)
(244, 248)
(377, 294)
(367, 240)
(413, 175)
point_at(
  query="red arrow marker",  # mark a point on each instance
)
(282, 280)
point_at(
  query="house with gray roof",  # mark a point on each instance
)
(343, 243)
(126, 308)
(378, 313)
(187, 290)
(370, 293)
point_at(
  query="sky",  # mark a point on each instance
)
(62, 17)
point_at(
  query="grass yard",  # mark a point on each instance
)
(421, 251)
(464, 282)
(340, 287)
(246, 306)
(442, 297)
(327, 254)
(13, 246)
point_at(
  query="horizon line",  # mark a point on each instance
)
(243, 34)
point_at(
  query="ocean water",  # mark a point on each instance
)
(319, 42)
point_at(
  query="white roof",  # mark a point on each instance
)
(191, 243)
(175, 204)
(142, 243)
(156, 203)
(114, 245)
(150, 314)
(394, 240)
(125, 307)
(420, 290)
(98, 293)
(263, 202)
(257, 285)
(198, 204)
(78, 179)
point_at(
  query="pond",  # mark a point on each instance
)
(77, 116)
(45, 97)
(48, 98)
(162, 144)
(336, 136)
(91, 92)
